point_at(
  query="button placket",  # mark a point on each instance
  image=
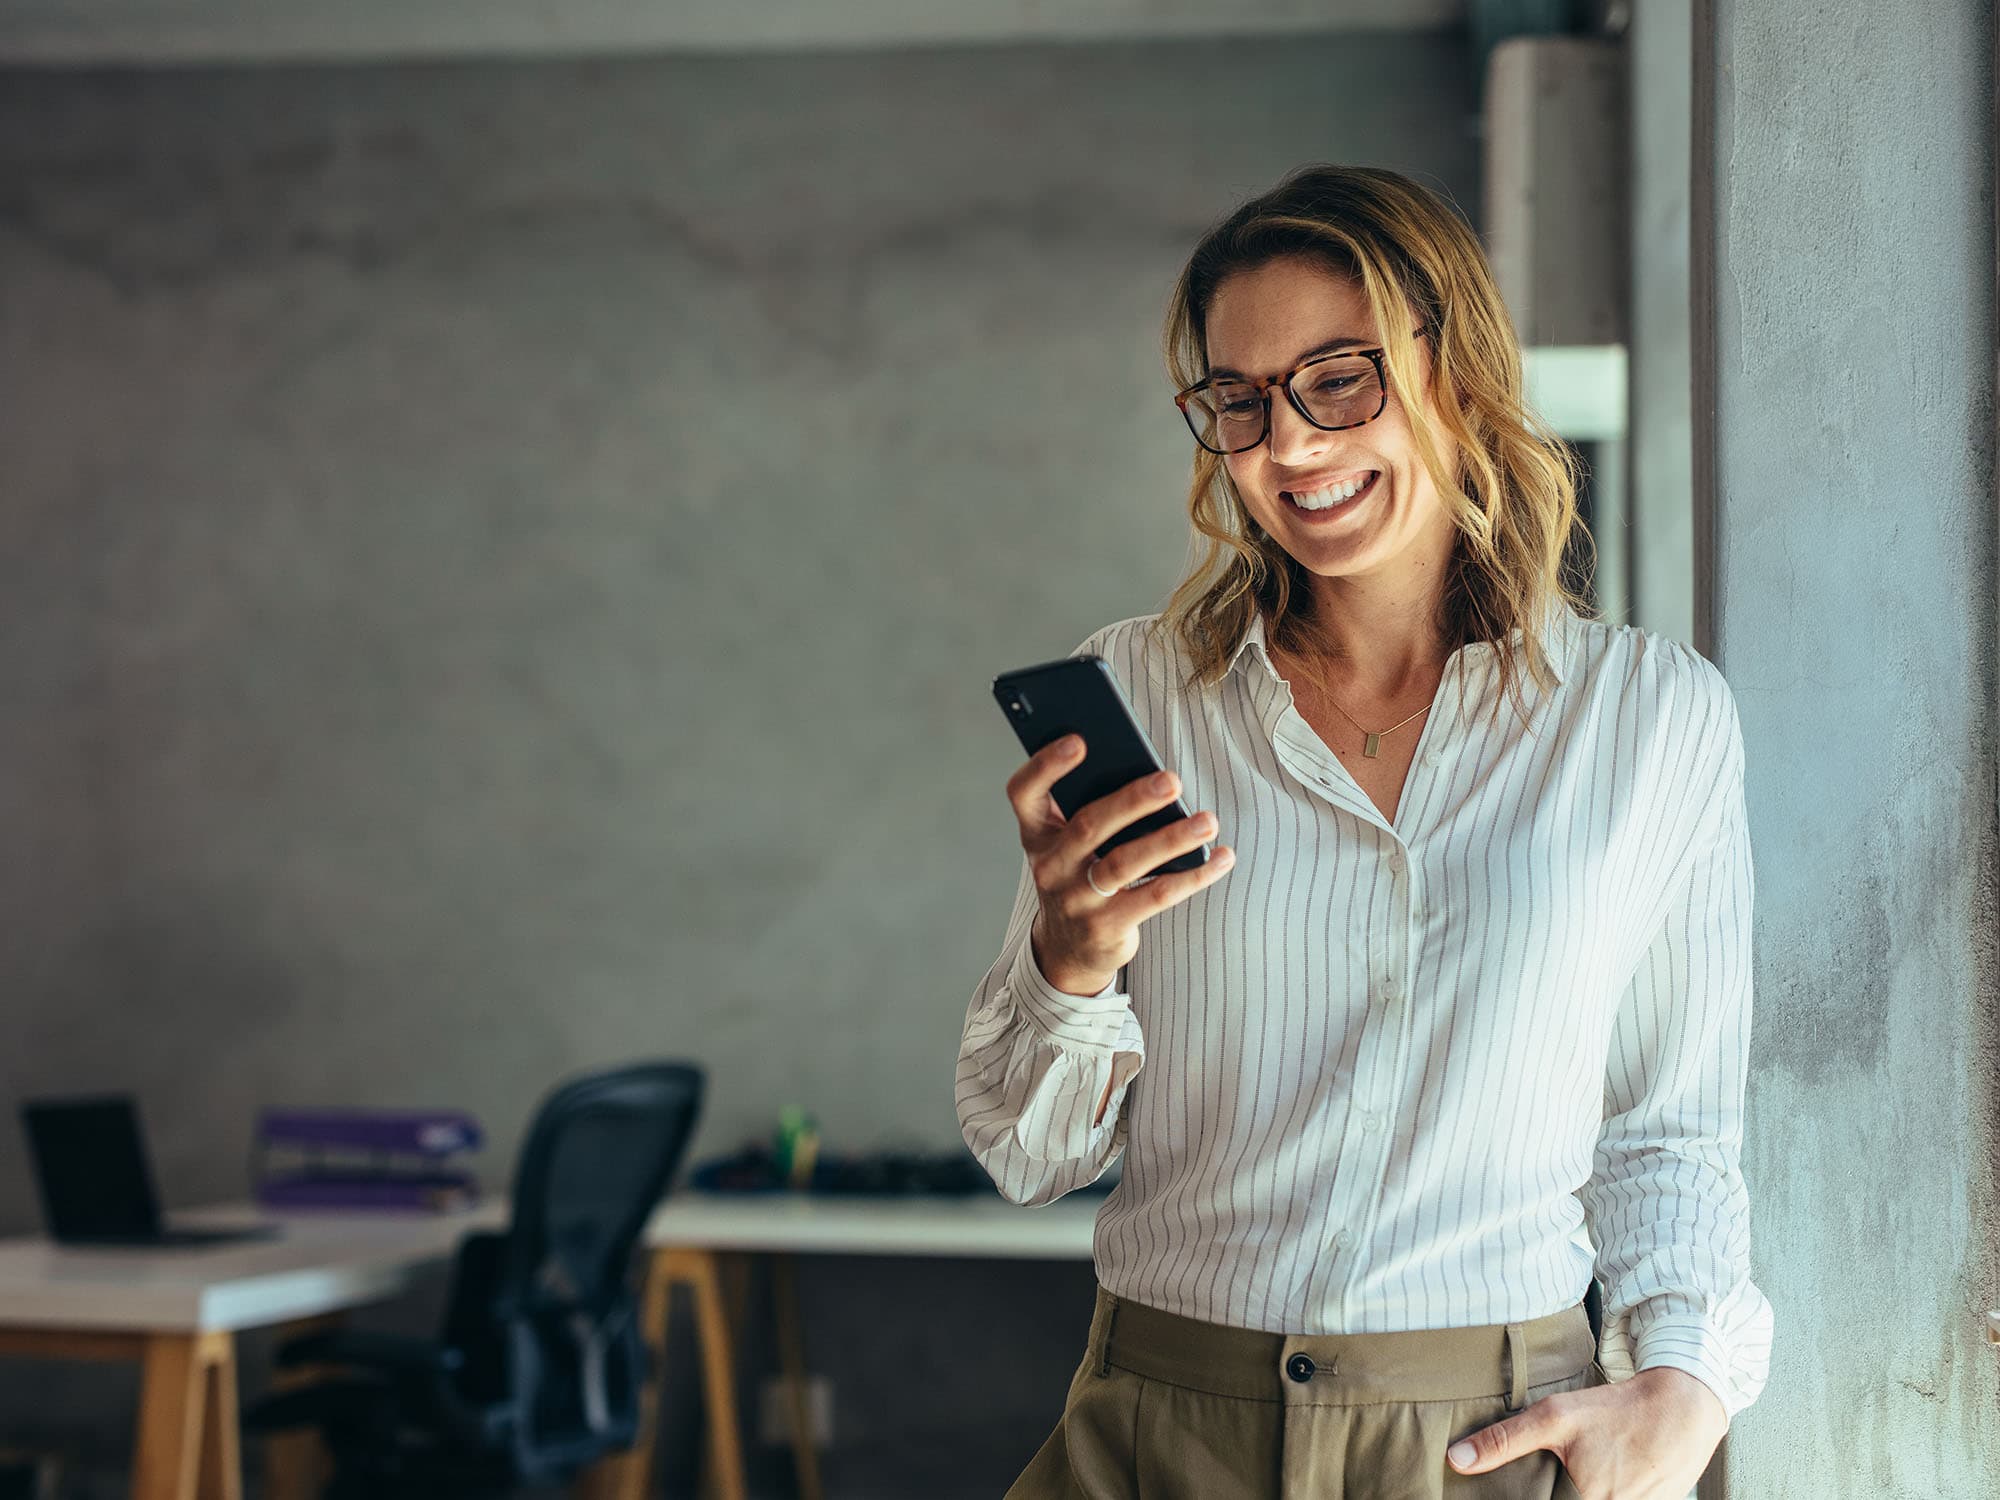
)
(1373, 1118)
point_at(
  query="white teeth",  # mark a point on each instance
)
(1333, 495)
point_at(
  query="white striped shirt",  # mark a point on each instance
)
(1395, 1075)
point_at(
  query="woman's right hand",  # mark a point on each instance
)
(1082, 938)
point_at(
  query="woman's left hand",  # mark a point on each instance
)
(1646, 1438)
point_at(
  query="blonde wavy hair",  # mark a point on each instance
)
(1512, 492)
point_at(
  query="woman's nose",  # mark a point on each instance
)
(1294, 440)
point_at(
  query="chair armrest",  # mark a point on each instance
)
(391, 1352)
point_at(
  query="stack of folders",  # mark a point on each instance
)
(397, 1160)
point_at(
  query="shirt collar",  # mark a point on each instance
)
(1556, 638)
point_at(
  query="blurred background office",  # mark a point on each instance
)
(512, 513)
(517, 533)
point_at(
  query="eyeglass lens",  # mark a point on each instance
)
(1343, 391)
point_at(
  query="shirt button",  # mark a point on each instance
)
(1300, 1367)
(1390, 994)
(1430, 757)
(1370, 1120)
(1341, 1237)
(1396, 860)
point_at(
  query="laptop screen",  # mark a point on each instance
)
(92, 1167)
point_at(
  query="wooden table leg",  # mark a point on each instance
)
(221, 1447)
(792, 1361)
(185, 1445)
(696, 1270)
(297, 1464)
(176, 1448)
(169, 1432)
(733, 1270)
(629, 1475)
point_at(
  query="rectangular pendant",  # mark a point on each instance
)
(1374, 744)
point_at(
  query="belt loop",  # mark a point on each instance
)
(1517, 1367)
(1110, 1319)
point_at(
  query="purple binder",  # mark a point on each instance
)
(424, 1132)
(376, 1159)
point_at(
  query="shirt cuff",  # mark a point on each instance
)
(1068, 1020)
(1680, 1338)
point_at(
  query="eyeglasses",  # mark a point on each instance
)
(1229, 414)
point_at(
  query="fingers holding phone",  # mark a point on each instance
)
(1095, 820)
(1118, 872)
(1083, 936)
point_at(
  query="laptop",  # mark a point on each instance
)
(95, 1181)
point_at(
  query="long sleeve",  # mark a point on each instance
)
(1666, 1202)
(1032, 1065)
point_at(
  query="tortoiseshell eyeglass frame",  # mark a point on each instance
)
(1263, 390)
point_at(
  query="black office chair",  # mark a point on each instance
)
(538, 1368)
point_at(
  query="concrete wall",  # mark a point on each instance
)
(504, 566)
(1850, 157)
(147, 32)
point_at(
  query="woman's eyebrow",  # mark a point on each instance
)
(1347, 341)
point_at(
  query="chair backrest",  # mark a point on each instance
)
(598, 1158)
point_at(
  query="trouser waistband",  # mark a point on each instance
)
(1429, 1364)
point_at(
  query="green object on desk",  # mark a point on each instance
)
(797, 1146)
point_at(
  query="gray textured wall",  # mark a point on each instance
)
(1851, 151)
(503, 565)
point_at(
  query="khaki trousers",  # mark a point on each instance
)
(1168, 1408)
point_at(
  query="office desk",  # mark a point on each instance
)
(176, 1312)
(820, 1224)
(694, 1235)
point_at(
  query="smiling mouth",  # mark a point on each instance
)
(1333, 497)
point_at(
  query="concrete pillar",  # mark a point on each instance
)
(1844, 456)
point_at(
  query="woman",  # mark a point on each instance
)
(1461, 1021)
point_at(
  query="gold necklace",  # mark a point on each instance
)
(1372, 744)
(1374, 741)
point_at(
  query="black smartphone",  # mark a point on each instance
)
(1081, 695)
